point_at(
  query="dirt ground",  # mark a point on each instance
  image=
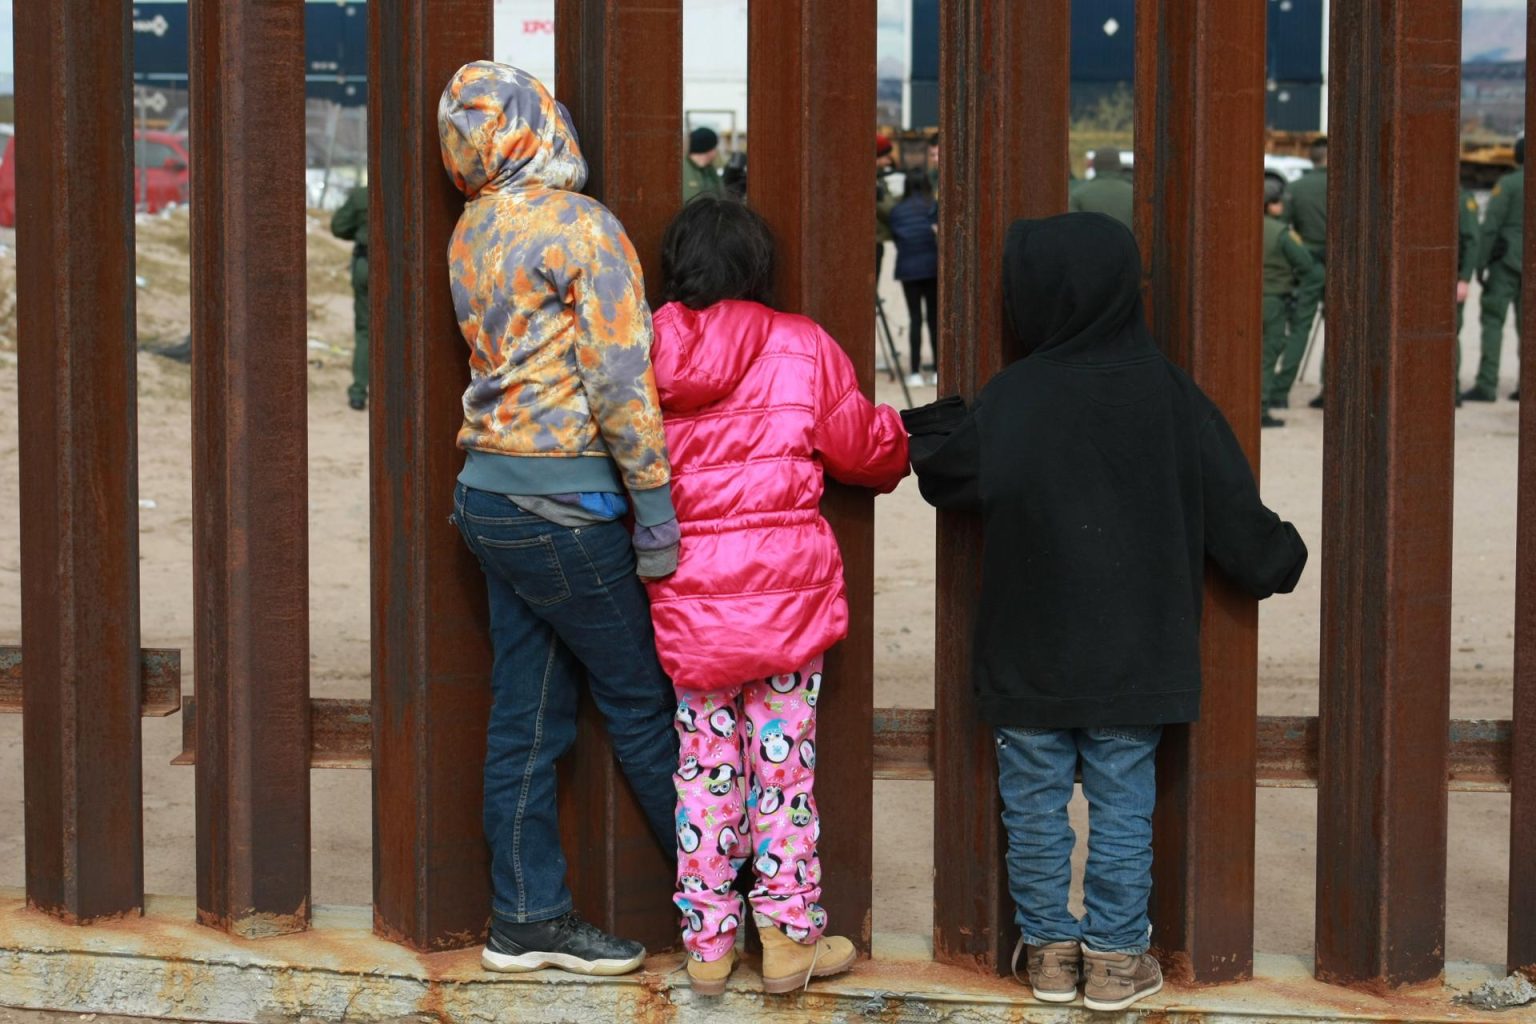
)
(1483, 604)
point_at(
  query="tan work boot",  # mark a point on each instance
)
(789, 965)
(708, 977)
(1054, 970)
(1116, 980)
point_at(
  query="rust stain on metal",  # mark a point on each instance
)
(1521, 949)
(159, 682)
(1200, 67)
(1004, 76)
(620, 68)
(76, 349)
(250, 393)
(815, 187)
(1386, 552)
(431, 647)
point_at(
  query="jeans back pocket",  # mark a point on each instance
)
(530, 564)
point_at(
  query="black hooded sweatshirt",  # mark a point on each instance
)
(1104, 478)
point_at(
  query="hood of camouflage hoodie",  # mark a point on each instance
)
(550, 299)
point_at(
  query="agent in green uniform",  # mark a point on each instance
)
(699, 173)
(1467, 230)
(1109, 192)
(1286, 263)
(1499, 260)
(1307, 214)
(351, 223)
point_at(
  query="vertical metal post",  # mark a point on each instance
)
(79, 460)
(431, 650)
(1199, 185)
(1522, 783)
(1004, 115)
(812, 178)
(250, 398)
(620, 74)
(1386, 558)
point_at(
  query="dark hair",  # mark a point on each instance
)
(917, 184)
(717, 248)
(1318, 151)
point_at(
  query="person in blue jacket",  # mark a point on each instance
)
(914, 225)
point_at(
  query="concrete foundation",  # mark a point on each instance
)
(164, 965)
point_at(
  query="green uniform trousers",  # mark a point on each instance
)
(1275, 321)
(1503, 288)
(1309, 295)
(360, 313)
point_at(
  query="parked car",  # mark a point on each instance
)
(1280, 166)
(160, 173)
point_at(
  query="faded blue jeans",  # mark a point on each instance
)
(566, 606)
(1035, 769)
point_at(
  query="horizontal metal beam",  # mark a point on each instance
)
(1287, 751)
(159, 682)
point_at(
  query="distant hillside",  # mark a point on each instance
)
(1493, 36)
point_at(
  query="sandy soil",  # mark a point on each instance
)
(1292, 463)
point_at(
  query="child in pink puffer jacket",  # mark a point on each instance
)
(757, 406)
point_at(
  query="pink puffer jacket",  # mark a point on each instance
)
(757, 405)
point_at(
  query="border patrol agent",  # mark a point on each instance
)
(350, 223)
(1286, 263)
(1499, 261)
(1307, 214)
(1468, 229)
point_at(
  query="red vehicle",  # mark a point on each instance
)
(160, 175)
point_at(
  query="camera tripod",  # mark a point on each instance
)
(892, 360)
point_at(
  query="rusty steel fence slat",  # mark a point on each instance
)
(1521, 953)
(76, 352)
(814, 184)
(1199, 176)
(250, 391)
(1004, 79)
(1387, 449)
(431, 647)
(619, 71)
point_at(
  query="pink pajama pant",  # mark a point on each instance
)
(747, 763)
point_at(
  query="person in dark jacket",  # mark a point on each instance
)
(914, 225)
(350, 223)
(1105, 480)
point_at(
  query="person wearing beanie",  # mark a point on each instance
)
(1500, 267)
(699, 173)
(1107, 192)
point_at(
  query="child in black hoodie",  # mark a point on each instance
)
(1105, 478)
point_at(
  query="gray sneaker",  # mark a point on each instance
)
(1116, 980)
(1054, 970)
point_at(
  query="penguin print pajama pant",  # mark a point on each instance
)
(746, 767)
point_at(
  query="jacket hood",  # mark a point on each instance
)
(700, 356)
(501, 131)
(1072, 288)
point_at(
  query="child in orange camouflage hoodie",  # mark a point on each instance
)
(563, 439)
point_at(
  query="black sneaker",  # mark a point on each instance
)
(1474, 395)
(567, 943)
(358, 404)
(1316, 403)
(1270, 421)
(1514, 396)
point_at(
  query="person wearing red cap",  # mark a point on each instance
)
(885, 166)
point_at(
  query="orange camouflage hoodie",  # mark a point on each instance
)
(550, 298)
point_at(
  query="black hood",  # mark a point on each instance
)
(1072, 287)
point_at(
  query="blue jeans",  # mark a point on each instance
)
(565, 605)
(1035, 769)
